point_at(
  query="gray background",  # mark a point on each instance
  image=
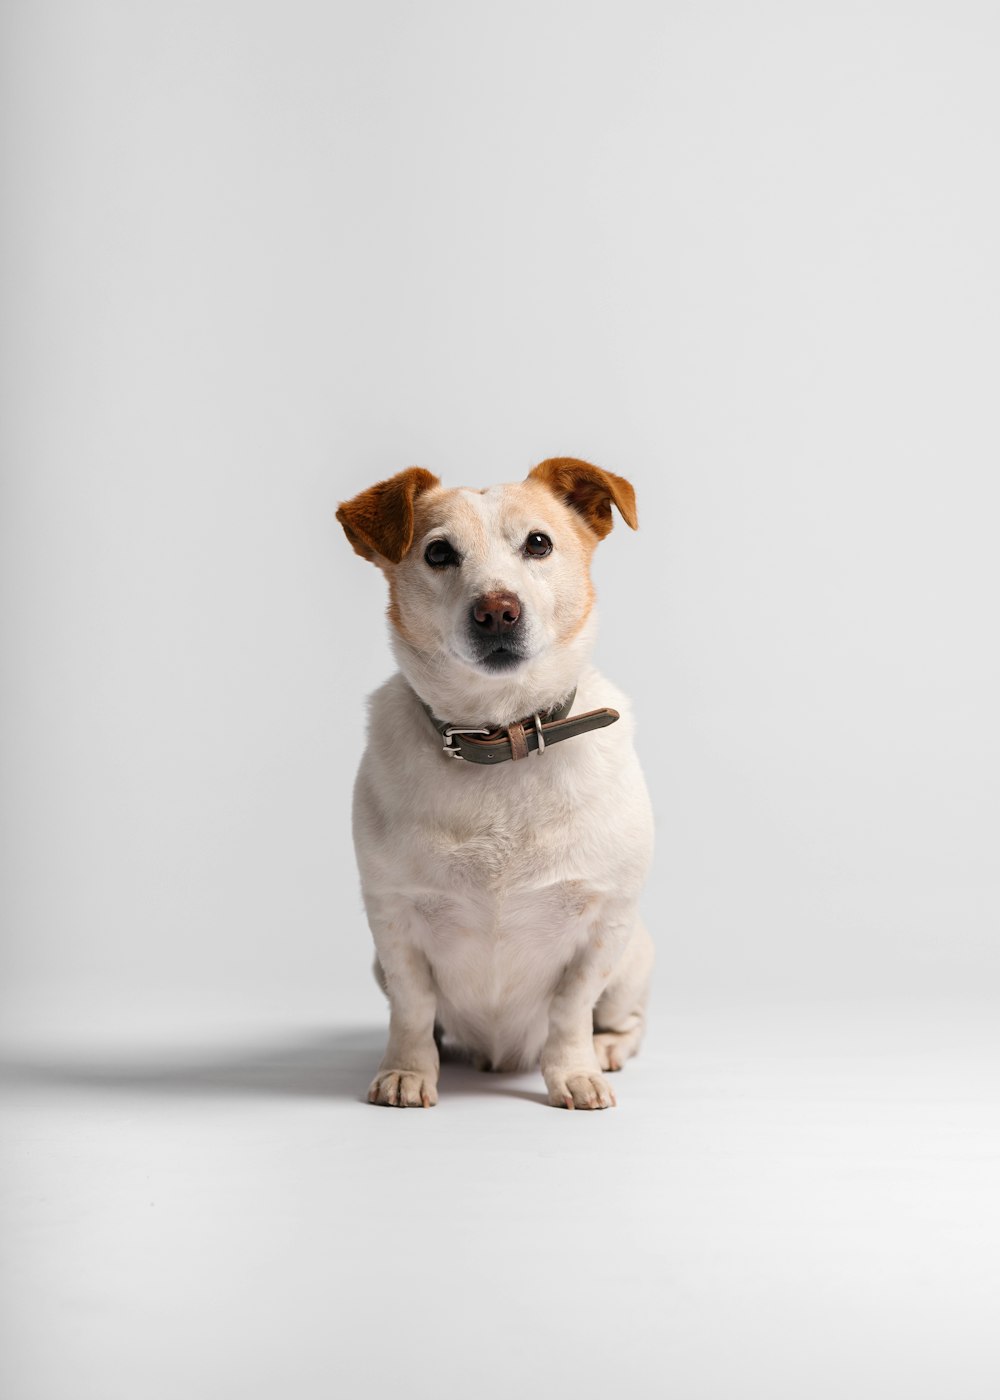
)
(255, 257)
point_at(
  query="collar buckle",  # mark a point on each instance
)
(450, 747)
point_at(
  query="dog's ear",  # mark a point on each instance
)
(589, 490)
(380, 520)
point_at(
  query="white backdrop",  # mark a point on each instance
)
(255, 256)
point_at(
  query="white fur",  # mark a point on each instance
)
(502, 900)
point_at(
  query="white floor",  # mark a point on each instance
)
(786, 1203)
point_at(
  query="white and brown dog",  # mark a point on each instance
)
(501, 821)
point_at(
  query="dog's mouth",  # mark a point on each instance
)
(500, 658)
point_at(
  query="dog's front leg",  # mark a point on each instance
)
(570, 1066)
(408, 1074)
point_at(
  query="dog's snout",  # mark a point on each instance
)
(496, 613)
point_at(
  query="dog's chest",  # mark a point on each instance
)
(502, 895)
(495, 857)
(496, 843)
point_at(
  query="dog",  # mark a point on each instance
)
(501, 822)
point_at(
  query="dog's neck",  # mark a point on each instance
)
(463, 695)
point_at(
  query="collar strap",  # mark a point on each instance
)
(523, 737)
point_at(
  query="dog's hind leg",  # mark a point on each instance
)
(620, 1014)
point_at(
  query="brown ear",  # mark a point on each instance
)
(380, 520)
(589, 490)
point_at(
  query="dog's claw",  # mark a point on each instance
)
(580, 1090)
(613, 1048)
(403, 1088)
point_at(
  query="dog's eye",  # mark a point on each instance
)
(439, 554)
(537, 545)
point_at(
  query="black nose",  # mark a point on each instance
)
(496, 612)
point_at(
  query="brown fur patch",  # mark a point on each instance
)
(588, 490)
(583, 542)
(450, 510)
(379, 521)
(393, 611)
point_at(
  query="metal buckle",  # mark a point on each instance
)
(453, 751)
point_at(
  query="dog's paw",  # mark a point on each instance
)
(576, 1090)
(403, 1088)
(613, 1048)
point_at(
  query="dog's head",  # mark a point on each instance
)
(489, 591)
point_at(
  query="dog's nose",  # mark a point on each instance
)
(496, 612)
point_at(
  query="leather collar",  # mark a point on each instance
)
(525, 736)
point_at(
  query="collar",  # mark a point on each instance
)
(525, 736)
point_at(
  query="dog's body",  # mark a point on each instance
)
(502, 899)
